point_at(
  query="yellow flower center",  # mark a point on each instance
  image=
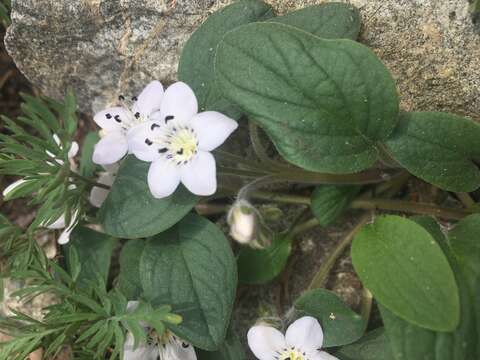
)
(292, 354)
(183, 144)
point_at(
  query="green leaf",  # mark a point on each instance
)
(333, 98)
(340, 324)
(87, 166)
(373, 346)
(262, 266)
(231, 349)
(407, 272)
(439, 148)
(196, 66)
(192, 267)
(129, 277)
(94, 251)
(329, 201)
(328, 21)
(412, 342)
(130, 211)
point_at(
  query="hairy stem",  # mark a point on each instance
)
(321, 276)
(88, 181)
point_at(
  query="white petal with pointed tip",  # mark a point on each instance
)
(322, 355)
(142, 352)
(110, 149)
(265, 342)
(180, 102)
(57, 224)
(13, 186)
(98, 194)
(73, 150)
(200, 175)
(149, 99)
(305, 333)
(137, 145)
(65, 236)
(163, 178)
(212, 129)
(109, 123)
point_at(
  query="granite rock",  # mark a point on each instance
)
(103, 48)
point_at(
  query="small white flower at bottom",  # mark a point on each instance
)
(179, 143)
(302, 341)
(166, 347)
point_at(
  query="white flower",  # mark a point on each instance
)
(242, 219)
(165, 347)
(98, 194)
(302, 341)
(117, 122)
(179, 142)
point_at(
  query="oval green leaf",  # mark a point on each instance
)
(192, 267)
(407, 272)
(328, 21)
(128, 281)
(439, 148)
(262, 266)
(196, 66)
(340, 324)
(373, 346)
(333, 98)
(130, 211)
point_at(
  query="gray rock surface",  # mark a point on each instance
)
(104, 48)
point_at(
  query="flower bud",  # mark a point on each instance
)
(242, 219)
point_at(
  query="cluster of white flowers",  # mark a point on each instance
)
(165, 129)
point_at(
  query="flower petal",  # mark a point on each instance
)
(65, 236)
(305, 333)
(178, 349)
(58, 224)
(265, 342)
(179, 103)
(149, 99)
(142, 352)
(13, 186)
(212, 129)
(140, 142)
(200, 175)
(322, 355)
(98, 194)
(163, 178)
(110, 149)
(73, 150)
(111, 119)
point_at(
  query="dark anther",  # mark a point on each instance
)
(154, 126)
(121, 98)
(162, 150)
(108, 116)
(137, 115)
(148, 142)
(168, 118)
(174, 129)
(180, 152)
(134, 98)
(169, 156)
(185, 345)
(117, 118)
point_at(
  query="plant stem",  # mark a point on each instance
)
(307, 225)
(366, 306)
(410, 207)
(466, 199)
(279, 197)
(88, 181)
(320, 277)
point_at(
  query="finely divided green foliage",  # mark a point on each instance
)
(329, 201)
(407, 272)
(192, 267)
(439, 148)
(261, 266)
(340, 324)
(130, 211)
(196, 63)
(333, 98)
(329, 21)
